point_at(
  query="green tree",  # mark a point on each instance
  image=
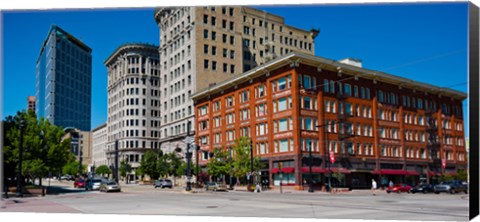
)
(43, 148)
(125, 168)
(34, 169)
(461, 175)
(103, 169)
(162, 164)
(241, 158)
(149, 163)
(71, 168)
(446, 177)
(220, 164)
(173, 164)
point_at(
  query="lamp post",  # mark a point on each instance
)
(19, 192)
(188, 156)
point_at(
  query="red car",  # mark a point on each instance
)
(398, 188)
(80, 183)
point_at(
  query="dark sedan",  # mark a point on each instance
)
(398, 188)
(422, 188)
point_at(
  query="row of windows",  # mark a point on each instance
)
(387, 97)
(213, 64)
(358, 92)
(389, 133)
(135, 144)
(415, 135)
(390, 151)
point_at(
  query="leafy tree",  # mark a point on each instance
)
(162, 164)
(220, 164)
(125, 168)
(34, 169)
(43, 148)
(103, 169)
(149, 163)
(446, 177)
(182, 169)
(71, 168)
(461, 175)
(173, 163)
(241, 158)
(139, 172)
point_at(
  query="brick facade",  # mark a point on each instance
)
(387, 133)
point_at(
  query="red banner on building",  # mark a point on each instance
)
(332, 157)
(444, 163)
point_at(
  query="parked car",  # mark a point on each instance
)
(215, 186)
(92, 184)
(67, 177)
(398, 188)
(163, 183)
(110, 185)
(422, 188)
(79, 183)
(452, 186)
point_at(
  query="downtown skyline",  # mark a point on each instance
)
(380, 35)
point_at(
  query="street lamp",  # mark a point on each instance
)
(19, 192)
(188, 156)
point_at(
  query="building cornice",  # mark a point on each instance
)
(131, 47)
(295, 58)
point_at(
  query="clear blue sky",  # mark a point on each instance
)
(423, 42)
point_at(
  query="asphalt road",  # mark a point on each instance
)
(145, 200)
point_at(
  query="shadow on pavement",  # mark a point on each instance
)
(56, 190)
(52, 190)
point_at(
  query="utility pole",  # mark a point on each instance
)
(188, 155)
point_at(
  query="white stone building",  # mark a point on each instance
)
(99, 145)
(133, 103)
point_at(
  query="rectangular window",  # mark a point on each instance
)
(282, 104)
(348, 89)
(205, 34)
(283, 145)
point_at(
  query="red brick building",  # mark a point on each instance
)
(375, 125)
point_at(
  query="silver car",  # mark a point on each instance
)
(92, 184)
(453, 186)
(110, 185)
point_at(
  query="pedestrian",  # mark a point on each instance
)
(257, 188)
(390, 184)
(374, 186)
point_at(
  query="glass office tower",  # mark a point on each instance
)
(64, 80)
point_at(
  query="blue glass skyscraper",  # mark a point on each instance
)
(64, 80)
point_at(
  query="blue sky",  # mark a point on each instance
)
(424, 42)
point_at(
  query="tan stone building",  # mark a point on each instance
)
(201, 46)
(80, 145)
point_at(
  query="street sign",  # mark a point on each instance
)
(332, 157)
